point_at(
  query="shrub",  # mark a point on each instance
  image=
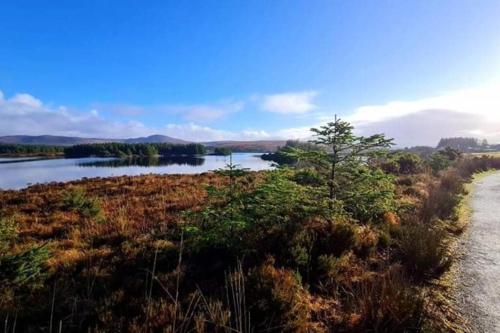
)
(390, 166)
(402, 163)
(385, 302)
(8, 233)
(87, 206)
(366, 240)
(442, 159)
(25, 267)
(18, 268)
(438, 162)
(409, 163)
(20, 274)
(337, 238)
(278, 301)
(423, 251)
(443, 197)
(338, 273)
(369, 195)
(309, 177)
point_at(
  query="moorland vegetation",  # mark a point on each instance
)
(347, 239)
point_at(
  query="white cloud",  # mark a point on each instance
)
(200, 113)
(428, 126)
(466, 112)
(204, 113)
(290, 102)
(24, 114)
(20, 103)
(255, 135)
(25, 100)
(194, 132)
(295, 133)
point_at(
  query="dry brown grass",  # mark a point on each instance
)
(120, 266)
(134, 209)
(489, 154)
(108, 254)
(131, 206)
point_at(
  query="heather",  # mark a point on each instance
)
(347, 239)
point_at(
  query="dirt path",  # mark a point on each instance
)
(479, 272)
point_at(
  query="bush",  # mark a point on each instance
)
(338, 273)
(366, 240)
(423, 251)
(278, 301)
(25, 267)
(409, 163)
(8, 233)
(78, 201)
(386, 302)
(443, 197)
(443, 159)
(308, 177)
(339, 237)
(20, 274)
(402, 163)
(369, 195)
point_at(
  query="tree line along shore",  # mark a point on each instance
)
(108, 150)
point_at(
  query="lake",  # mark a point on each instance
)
(17, 173)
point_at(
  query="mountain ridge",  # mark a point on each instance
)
(55, 140)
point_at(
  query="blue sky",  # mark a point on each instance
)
(204, 70)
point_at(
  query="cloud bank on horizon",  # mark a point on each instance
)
(471, 112)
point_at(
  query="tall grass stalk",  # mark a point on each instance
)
(236, 299)
(178, 279)
(52, 307)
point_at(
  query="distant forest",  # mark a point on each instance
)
(104, 149)
(118, 149)
(463, 144)
(137, 149)
(24, 150)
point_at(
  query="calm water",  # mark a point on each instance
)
(19, 173)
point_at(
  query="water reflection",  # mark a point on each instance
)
(23, 172)
(21, 159)
(146, 161)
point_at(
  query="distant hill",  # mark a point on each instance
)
(52, 140)
(262, 146)
(70, 140)
(155, 139)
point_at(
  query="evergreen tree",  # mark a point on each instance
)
(344, 153)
